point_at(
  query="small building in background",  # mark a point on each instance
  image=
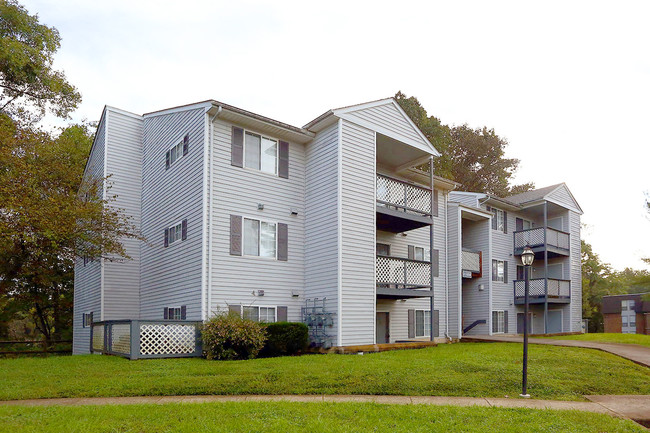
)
(627, 314)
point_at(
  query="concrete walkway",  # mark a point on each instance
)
(633, 352)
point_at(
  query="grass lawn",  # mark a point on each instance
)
(641, 339)
(473, 370)
(301, 417)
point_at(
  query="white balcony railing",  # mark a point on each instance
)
(400, 195)
(537, 237)
(556, 288)
(402, 273)
(471, 261)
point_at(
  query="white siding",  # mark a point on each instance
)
(124, 165)
(453, 269)
(88, 278)
(563, 196)
(321, 221)
(387, 117)
(476, 303)
(238, 191)
(576, 274)
(470, 200)
(172, 276)
(357, 235)
(503, 293)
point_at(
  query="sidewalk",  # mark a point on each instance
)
(633, 352)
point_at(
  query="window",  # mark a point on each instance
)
(174, 313)
(624, 319)
(624, 305)
(498, 270)
(527, 225)
(383, 250)
(631, 304)
(499, 218)
(498, 322)
(177, 151)
(175, 233)
(86, 320)
(422, 323)
(260, 153)
(259, 314)
(260, 238)
(420, 253)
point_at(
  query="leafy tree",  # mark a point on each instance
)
(475, 158)
(595, 284)
(46, 221)
(30, 86)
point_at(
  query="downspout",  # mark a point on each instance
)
(545, 268)
(446, 273)
(431, 233)
(210, 200)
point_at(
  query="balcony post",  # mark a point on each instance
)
(545, 268)
(431, 315)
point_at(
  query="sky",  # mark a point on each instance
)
(566, 83)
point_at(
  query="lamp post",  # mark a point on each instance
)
(527, 257)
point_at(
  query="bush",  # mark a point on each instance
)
(285, 338)
(228, 336)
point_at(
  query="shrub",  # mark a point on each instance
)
(228, 336)
(285, 338)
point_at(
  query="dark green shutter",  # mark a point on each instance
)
(235, 235)
(436, 323)
(283, 160)
(283, 242)
(436, 263)
(282, 314)
(411, 323)
(237, 147)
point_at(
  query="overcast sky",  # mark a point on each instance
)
(567, 82)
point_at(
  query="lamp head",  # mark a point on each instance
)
(527, 256)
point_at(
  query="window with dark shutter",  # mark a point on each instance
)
(167, 160)
(282, 314)
(435, 203)
(383, 250)
(519, 224)
(411, 252)
(235, 235)
(505, 222)
(436, 263)
(166, 313)
(436, 323)
(184, 229)
(186, 144)
(411, 323)
(505, 322)
(183, 312)
(505, 272)
(283, 242)
(166, 238)
(283, 160)
(237, 147)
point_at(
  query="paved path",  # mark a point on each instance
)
(633, 352)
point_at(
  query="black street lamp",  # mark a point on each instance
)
(527, 257)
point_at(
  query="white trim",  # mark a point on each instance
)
(104, 193)
(205, 238)
(123, 112)
(178, 109)
(488, 262)
(374, 224)
(339, 210)
(259, 239)
(459, 275)
(504, 321)
(277, 152)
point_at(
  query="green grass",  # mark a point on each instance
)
(643, 340)
(473, 370)
(301, 417)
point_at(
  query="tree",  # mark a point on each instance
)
(595, 284)
(47, 221)
(475, 158)
(30, 86)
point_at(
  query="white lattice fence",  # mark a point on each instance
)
(560, 288)
(557, 239)
(121, 338)
(401, 194)
(532, 237)
(167, 339)
(392, 270)
(98, 338)
(535, 288)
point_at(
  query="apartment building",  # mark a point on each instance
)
(627, 314)
(248, 214)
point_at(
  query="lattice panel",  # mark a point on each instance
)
(391, 270)
(559, 288)
(98, 338)
(532, 237)
(535, 288)
(557, 239)
(402, 195)
(167, 339)
(121, 338)
(471, 261)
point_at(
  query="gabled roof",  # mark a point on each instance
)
(384, 116)
(558, 194)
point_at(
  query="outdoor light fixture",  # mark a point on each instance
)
(527, 257)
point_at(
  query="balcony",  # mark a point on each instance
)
(399, 278)
(402, 206)
(554, 241)
(559, 291)
(472, 262)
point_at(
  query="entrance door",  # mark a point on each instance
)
(520, 323)
(382, 334)
(554, 321)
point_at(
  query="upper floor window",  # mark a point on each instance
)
(177, 151)
(420, 253)
(87, 320)
(498, 222)
(260, 238)
(175, 233)
(500, 271)
(261, 153)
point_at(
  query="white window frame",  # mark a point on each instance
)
(175, 152)
(86, 320)
(275, 312)
(426, 253)
(171, 313)
(173, 228)
(530, 224)
(259, 238)
(426, 330)
(277, 152)
(503, 272)
(501, 322)
(499, 215)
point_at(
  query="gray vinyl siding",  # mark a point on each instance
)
(172, 276)
(453, 268)
(124, 166)
(576, 274)
(476, 303)
(321, 220)
(563, 196)
(238, 191)
(88, 278)
(503, 293)
(470, 200)
(388, 117)
(357, 235)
